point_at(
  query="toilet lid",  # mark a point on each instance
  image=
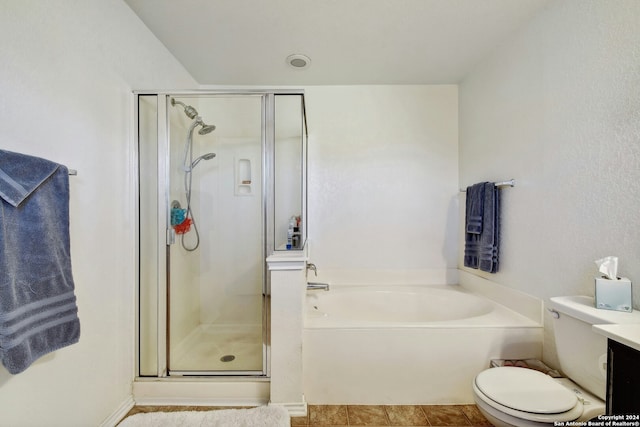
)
(525, 390)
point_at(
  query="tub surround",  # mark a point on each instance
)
(520, 302)
(367, 277)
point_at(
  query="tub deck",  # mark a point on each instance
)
(454, 305)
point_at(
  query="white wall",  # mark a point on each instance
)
(557, 107)
(66, 75)
(383, 178)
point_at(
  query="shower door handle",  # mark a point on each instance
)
(171, 236)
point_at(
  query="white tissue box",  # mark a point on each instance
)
(614, 294)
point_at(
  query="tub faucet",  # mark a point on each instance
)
(315, 285)
(312, 267)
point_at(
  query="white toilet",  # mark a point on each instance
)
(513, 396)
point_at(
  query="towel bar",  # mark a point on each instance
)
(509, 183)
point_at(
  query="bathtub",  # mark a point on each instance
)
(394, 344)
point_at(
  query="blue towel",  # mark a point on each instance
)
(474, 208)
(38, 311)
(482, 250)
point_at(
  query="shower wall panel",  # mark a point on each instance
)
(231, 266)
(232, 263)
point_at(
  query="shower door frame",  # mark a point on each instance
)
(163, 206)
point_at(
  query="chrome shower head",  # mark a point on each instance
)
(206, 129)
(207, 156)
(191, 112)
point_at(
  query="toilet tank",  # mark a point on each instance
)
(582, 353)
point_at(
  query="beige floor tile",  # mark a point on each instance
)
(367, 415)
(475, 416)
(300, 421)
(406, 415)
(331, 415)
(445, 415)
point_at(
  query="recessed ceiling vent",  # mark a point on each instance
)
(299, 62)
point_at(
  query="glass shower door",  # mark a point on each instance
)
(215, 261)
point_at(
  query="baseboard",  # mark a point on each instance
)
(296, 409)
(119, 413)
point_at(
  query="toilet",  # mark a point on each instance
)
(515, 396)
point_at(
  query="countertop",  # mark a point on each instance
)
(627, 334)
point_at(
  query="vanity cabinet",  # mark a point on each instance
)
(623, 379)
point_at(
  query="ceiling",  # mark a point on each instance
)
(246, 42)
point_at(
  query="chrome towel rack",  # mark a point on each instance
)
(508, 183)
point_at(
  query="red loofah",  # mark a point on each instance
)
(183, 227)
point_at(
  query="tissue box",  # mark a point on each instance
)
(613, 294)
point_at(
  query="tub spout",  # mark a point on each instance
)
(315, 285)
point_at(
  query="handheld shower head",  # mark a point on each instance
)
(207, 156)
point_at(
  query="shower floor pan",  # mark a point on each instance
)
(219, 350)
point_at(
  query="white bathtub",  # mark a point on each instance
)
(406, 344)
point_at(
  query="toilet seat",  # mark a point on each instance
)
(527, 394)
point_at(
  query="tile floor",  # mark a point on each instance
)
(395, 415)
(368, 415)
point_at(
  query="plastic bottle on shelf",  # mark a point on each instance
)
(292, 224)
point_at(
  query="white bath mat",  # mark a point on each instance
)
(263, 416)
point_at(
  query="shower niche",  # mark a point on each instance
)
(221, 175)
(244, 183)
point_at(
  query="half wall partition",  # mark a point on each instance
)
(221, 186)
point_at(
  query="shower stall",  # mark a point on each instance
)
(221, 179)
